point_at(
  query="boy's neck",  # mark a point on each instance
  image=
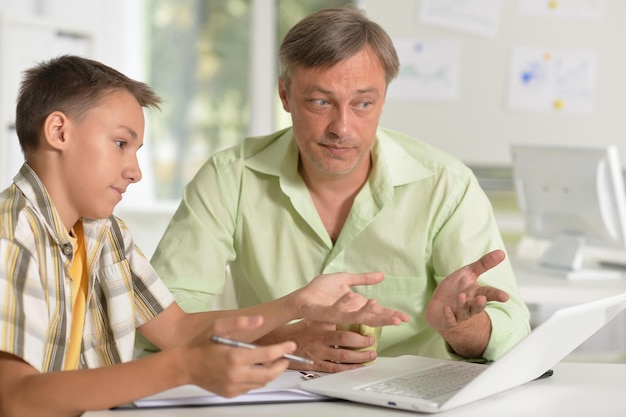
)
(53, 183)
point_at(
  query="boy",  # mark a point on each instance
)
(73, 286)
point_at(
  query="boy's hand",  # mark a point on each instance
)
(231, 371)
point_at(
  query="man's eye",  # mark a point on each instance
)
(320, 102)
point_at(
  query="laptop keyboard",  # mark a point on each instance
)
(427, 384)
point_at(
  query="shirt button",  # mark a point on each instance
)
(67, 249)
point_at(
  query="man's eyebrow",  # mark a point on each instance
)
(367, 90)
(357, 92)
(316, 89)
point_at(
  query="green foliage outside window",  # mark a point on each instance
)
(198, 62)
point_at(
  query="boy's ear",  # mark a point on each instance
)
(54, 129)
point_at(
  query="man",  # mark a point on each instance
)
(337, 193)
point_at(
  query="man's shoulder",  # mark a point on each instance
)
(426, 154)
(260, 153)
(249, 147)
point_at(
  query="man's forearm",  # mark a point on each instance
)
(470, 338)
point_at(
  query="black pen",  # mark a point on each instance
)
(237, 343)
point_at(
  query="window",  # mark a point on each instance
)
(209, 59)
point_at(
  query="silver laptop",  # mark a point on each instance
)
(430, 385)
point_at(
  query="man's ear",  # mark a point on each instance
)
(282, 93)
(55, 129)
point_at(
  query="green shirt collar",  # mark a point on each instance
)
(392, 164)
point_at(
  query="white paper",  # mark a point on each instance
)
(574, 9)
(282, 389)
(428, 71)
(474, 16)
(547, 80)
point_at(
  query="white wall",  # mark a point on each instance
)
(117, 31)
(116, 24)
(478, 127)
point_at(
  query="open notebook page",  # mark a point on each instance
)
(282, 389)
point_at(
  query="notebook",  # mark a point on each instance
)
(283, 389)
(529, 359)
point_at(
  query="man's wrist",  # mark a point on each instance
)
(273, 337)
(470, 338)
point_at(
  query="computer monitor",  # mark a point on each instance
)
(572, 197)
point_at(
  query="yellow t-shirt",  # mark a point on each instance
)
(80, 281)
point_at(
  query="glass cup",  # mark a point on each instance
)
(365, 330)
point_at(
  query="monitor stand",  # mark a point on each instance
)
(564, 258)
(612, 264)
(591, 274)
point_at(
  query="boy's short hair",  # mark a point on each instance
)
(72, 85)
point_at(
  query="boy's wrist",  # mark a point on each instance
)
(178, 359)
(293, 305)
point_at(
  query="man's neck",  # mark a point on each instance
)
(333, 196)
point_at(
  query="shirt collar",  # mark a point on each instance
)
(393, 160)
(392, 164)
(35, 192)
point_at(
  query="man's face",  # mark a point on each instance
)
(335, 113)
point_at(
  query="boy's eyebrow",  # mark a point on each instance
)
(131, 131)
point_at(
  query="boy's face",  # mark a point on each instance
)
(100, 157)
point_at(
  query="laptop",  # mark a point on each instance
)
(418, 376)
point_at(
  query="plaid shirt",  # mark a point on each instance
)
(35, 286)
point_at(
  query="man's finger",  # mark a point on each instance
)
(493, 294)
(487, 261)
(367, 278)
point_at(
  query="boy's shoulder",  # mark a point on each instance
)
(27, 215)
(20, 221)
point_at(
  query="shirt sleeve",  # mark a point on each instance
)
(197, 246)
(466, 231)
(22, 306)
(150, 294)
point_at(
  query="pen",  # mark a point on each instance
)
(237, 343)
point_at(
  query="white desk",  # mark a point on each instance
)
(575, 390)
(539, 287)
(543, 292)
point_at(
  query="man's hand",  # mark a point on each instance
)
(319, 341)
(330, 298)
(459, 298)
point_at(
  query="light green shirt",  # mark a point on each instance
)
(420, 216)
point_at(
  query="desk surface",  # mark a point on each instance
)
(540, 287)
(575, 389)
